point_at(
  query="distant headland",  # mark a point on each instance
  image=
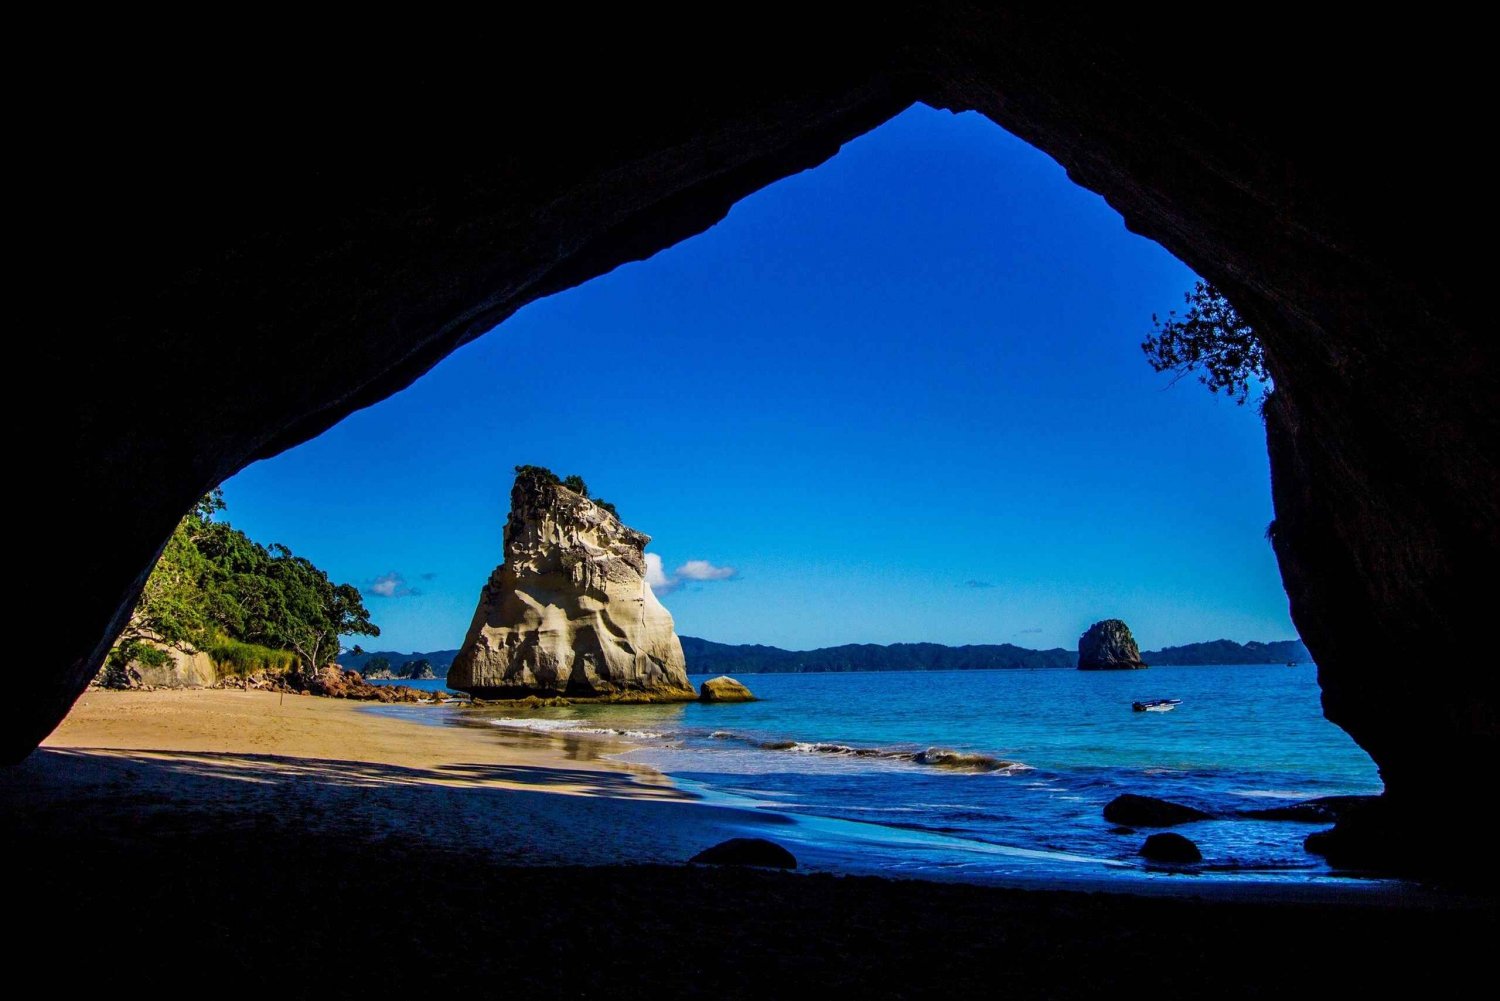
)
(708, 657)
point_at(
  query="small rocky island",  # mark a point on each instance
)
(569, 612)
(1108, 646)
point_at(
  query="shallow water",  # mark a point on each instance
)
(1049, 748)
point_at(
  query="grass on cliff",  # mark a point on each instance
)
(236, 657)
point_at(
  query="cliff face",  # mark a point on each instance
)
(1108, 646)
(569, 612)
(183, 668)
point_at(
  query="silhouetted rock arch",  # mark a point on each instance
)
(320, 229)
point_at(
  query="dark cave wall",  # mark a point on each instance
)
(319, 237)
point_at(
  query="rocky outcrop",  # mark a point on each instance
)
(724, 689)
(416, 670)
(1131, 810)
(331, 682)
(1108, 646)
(336, 683)
(747, 851)
(183, 667)
(1170, 849)
(569, 612)
(329, 290)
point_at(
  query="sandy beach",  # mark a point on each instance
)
(328, 765)
(311, 846)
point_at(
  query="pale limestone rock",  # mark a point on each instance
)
(569, 612)
(186, 669)
(724, 689)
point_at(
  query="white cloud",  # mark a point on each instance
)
(693, 570)
(657, 577)
(390, 585)
(703, 570)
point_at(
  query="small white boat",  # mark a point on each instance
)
(1156, 705)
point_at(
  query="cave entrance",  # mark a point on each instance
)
(896, 399)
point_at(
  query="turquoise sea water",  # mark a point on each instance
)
(842, 752)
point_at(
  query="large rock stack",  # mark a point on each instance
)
(1108, 646)
(569, 612)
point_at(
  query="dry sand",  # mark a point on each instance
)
(337, 767)
(221, 726)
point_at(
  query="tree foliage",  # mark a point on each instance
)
(216, 589)
(573, 482)
(1212, 339)
(541, 472)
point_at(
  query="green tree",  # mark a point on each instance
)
(543, 472)
(1212, 339)
(575, 483)
(307, 611)
(375, 665)
(215, 587)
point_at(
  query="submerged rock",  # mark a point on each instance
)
(961, 761)
(1174, 849)
(747, 851)
(1108, 646)
(1324, 810)
(569, 612)
(1130, 810)
(724, 689)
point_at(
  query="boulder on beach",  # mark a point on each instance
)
(747, 851)
(1173, 849)
(724, 689)
(1130, 810)
(1108, 646)
(570, 612)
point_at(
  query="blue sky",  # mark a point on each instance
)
(901, 396)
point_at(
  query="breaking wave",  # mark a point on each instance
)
(573, 726)
(937, 757)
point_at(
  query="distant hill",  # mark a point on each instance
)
(707, 657)
(1230, 652)
(441, 659)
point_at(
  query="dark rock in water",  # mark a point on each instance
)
(1130, 810)
(1108, 646)
(1299, 813)
(747, 851)
(1122, 830)
(1171, 848)
(964, 761)
(1324, 810)
(724, 689)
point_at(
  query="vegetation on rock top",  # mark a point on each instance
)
(573, 482)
